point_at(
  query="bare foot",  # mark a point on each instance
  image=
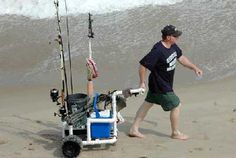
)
(136, 134)
(180, 136)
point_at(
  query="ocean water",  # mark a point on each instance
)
(124, 30)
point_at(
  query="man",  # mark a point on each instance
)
(161, 62)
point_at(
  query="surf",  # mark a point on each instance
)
(45, 8)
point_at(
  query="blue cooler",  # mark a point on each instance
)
(100, 130)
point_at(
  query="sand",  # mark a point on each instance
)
(28, 128)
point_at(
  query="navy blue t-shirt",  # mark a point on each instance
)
(161, 61)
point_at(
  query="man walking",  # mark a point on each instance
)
(161, 62)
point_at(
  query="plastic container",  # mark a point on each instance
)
(77, 102)
(100, 130)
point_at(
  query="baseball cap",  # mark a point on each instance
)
(169, 30)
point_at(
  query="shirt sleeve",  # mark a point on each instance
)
(149, 61)
(178, 50)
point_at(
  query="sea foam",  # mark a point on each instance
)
(46, 9)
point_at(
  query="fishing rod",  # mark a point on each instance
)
(90, 61)
(68, 45)
(62, 58)
(90, 35)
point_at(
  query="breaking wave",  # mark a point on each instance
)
(45, 8)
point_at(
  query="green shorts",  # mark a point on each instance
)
(168, 100)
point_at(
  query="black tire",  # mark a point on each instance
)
(71, 146)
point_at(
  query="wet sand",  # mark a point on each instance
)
(28, 128)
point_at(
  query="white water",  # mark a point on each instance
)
(46, 9)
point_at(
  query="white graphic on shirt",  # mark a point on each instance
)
(171, 60)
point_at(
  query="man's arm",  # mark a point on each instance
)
(142, 76)
(90, 88)
(90, 81)
(187, 63)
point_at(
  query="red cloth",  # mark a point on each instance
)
(92, 66)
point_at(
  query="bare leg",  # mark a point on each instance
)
(141, 113)
(174, 118)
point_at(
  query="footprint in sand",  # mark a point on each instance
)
(198, 149)
(3, 142)
(39, 122)
(233, 120)
(52, 137)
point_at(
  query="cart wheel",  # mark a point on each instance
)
(71, 146)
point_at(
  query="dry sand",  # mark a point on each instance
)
(28, 128)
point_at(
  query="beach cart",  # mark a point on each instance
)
(89, 124)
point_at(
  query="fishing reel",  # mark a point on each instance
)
(61, 112)
(54, 94)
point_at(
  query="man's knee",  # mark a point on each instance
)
(177, 107)
(147, 104)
